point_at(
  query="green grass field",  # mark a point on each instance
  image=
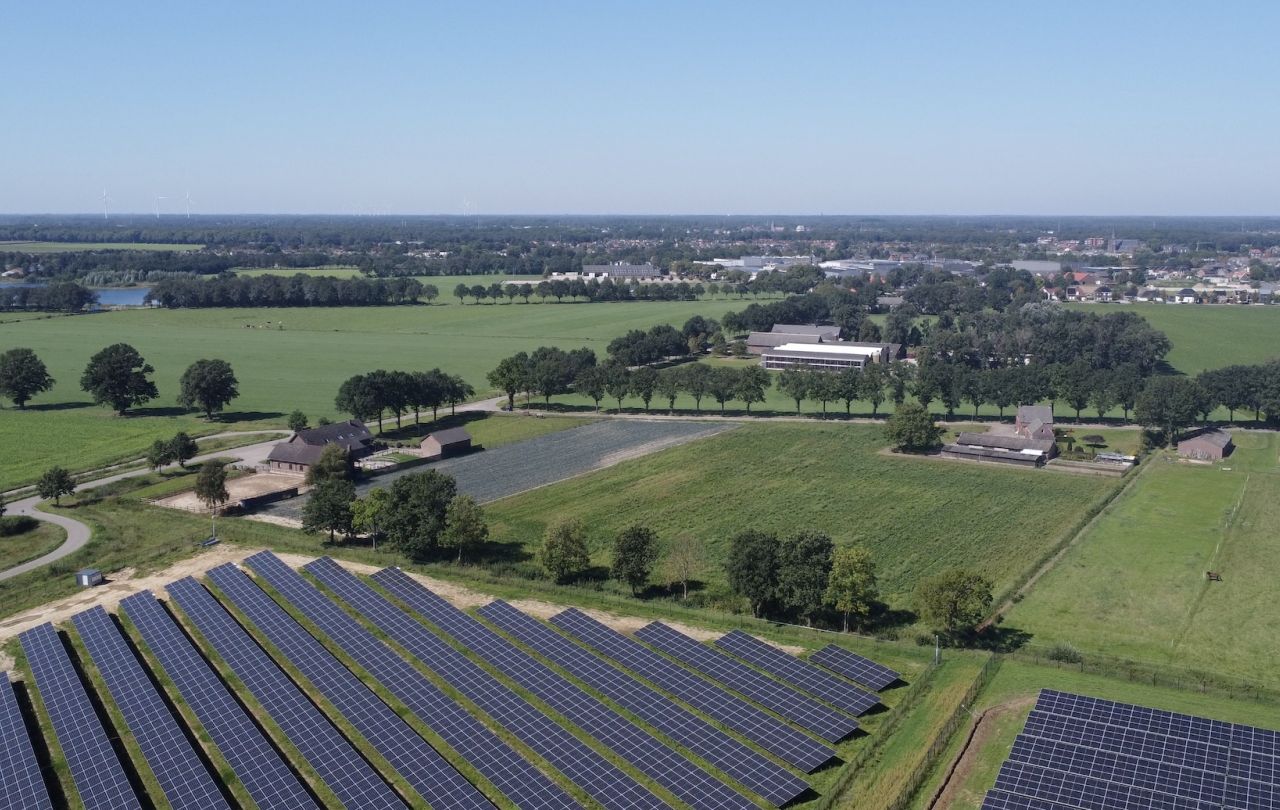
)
(1209, 336)
(335, 270)
(19, 548)
(80, 247)
(917, 515)
(1135, 585)
(284, 359)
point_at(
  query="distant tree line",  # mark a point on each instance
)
(299, 290)
(59, 296)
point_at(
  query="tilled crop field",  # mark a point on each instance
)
(492, 474)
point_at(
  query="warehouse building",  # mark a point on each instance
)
(824, 356)
(1000, 449)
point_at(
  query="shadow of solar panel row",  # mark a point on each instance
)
(519, 781)
(347, 774)
(1157, 747)
(1076, 790)
(800, 674)
(779, 698)
(855, 667)
(99, 778)
(630, 742)
(408, 753)
(181, 774)
(769, 780)
(254, 760)
(1157, 721)
(601, 779)
(756, 725)
(1157, 777)
(21, 786)
(1004, 800)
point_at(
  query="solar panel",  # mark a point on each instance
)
(1086, 752)
(803, 676)
(254, 760)
(516, 778)
(412, 757)
(630, 742)
(756, 725)
(605, 782)
(21, 786)
(855, 667)
(348, 775)
(771, 781)
(99, 777)
(1003, 800)
(785, 701)
(181, 774)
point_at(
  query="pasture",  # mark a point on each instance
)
(81, 247)
(1134, 585)
(283, 358)
(917, 515)
(1205, 336)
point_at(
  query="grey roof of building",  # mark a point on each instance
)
(295, 452)
(454, 435)
(1035, 413)
(998, 442)
(1213, 436)
(645, 270)
(987, 452)
(798, 354)
(802, 329)
(779, 338)
(305, 446)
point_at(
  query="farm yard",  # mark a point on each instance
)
(1134, 585)
(535, 462)
(917, 515)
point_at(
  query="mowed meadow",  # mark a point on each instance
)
(1134, 585)
(283, 358)
(918, 515)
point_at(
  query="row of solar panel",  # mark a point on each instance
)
(1077, 751)
(101, 780)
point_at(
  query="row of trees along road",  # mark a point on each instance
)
(118, 376)
(368, 396)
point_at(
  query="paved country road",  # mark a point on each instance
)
(78, 534)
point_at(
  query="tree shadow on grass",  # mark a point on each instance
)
(57, 406)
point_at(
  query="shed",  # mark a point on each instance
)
(1207, 445)
(88, 577)
(445, 443)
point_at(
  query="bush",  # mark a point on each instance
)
(11, 525)
(1064, 653)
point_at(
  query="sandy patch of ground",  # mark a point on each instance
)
(277, 520)
(979, 735)
(125, 583)
(248, 486)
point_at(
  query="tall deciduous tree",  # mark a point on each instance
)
(117, 376)
(415, 513)
(954, 600)
(644, 382)
(511, 376)
(686, 559)
(635, 550)
(55, 483)
(464, 526)
(211, 485)
(22, 376)
(328, 507)
(753, 382)
(366, 514)
(752, 568)
(794, 382)
(334, 462)
(208, 385)
(804, 563)
(297, 421)
(911, 429)
(1170, 404)
(851, 586)
(182, 448)
(564, 552)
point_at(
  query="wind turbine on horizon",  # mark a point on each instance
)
(187, 198)
(106, 203)
(159, 197)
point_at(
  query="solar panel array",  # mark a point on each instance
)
(803, 676)
(785, 701)
(769, 780)
(1084, 752)
(343, 770)
(99, 777)
(254, 760)
(21, 787)
(181, 774)
(735, 713)
(517, 779)
(855, 667)
(412, 757)
(630, 742)
(602, 780)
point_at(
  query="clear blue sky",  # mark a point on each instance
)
(633, 107)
